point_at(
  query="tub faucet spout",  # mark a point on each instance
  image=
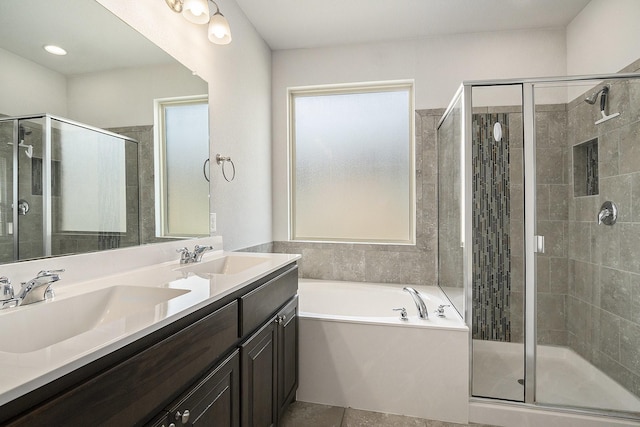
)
(420, 305)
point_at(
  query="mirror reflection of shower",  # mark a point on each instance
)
(65, 187)
(604, 96)
(22, 132)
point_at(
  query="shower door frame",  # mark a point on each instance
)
(533, 244)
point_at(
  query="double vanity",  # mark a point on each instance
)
(147, 340)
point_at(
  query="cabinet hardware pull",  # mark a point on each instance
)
(184, 417)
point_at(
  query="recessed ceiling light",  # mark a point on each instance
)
(55, 50)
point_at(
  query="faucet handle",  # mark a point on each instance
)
(403, 313)
(185, 255)
(440, 310)
(45, 273)
(6, 289)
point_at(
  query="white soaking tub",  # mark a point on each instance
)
(356, 352)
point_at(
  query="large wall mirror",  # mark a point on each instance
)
(84, 148)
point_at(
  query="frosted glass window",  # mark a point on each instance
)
(184, 152)
(352, 168)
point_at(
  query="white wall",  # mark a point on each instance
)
(124, 97)
(28, 88)
(604, 37)
(239, 77)
(438, 66)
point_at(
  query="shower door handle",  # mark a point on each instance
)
(538, 244)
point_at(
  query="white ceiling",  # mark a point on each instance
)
(290, 24)
(94, 38)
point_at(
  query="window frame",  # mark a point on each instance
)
(341, 89)
(160, 161)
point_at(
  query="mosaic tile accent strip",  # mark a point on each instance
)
(491, 213)
(592, 168)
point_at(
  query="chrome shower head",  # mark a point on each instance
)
(591, 99)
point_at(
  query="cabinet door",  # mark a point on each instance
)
(258, 362)
(215, 401)
(287, 333)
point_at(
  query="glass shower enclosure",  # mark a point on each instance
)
(65, 187)
(539, 238)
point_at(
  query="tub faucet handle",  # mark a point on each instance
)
(6, 289)
(403, 313)
(440, 310)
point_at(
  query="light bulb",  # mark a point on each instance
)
(219, 31)
(196, 11)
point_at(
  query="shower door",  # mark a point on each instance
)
(551, 240)
(587, 289)
(6, 189)
(31, 189)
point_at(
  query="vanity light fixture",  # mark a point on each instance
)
(55, 50)
(197, 11)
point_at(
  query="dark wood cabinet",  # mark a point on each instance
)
(269, 360)
(259, 375)
(232, 362)
(214, 401)
(287, 334)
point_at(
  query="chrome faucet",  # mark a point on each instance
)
(35, 290)
(39, 288)
(198, 251)
(422, 308)
(187, 257)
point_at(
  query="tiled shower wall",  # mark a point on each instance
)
(603, 297)
(491, 230)
(384, 262)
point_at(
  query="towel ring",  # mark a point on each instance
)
(222, 160)
(204, 170)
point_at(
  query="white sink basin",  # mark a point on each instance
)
(232, 264)
(39, 325)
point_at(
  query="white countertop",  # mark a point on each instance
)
(25, 371)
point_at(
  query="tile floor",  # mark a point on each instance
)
(302, 414)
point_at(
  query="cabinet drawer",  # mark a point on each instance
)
(129, 392)
(261, 303)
